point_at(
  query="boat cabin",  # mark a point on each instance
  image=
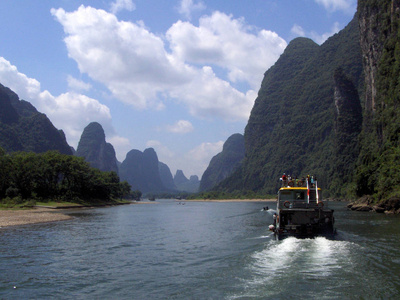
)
(301, 211)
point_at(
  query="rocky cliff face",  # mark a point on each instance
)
(371, 46)
(378, 164)
(140, 170)
(96, 151)
(23, 128)
(348, 121)
(224, 163)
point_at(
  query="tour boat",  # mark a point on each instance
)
(300, 211)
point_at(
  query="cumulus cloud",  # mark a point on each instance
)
(229, 43)
(73, 112)
(319, 39)
(70, 111)
(164, 154)
(125, 57)
(181, 126)
(297, 30)
(188, 6)
(121, 145)
(347, 6)
(199, 157)
(135, 65)
(119, 5)
(78, 85)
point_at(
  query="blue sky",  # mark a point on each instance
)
(179, 76)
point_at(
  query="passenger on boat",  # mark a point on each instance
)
(284, 179)
(274, 219)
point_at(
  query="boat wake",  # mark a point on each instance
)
(290, 264)
(313, 257)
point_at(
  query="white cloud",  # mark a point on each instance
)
(319, 39)
(228, 43)
(70, 111)
(181, 126)
(198, 159)
(188, 6)
(119, 5)
(121, 146)
(135, 66)
(10, 77)
(208, 96)
(73, 112)
(77, 85)
(163, 152)
(297, 30)
(125, 57)
(347, 6)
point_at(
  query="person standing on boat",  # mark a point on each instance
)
(284, 179)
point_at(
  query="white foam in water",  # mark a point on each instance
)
(277, 257)
(284, 260)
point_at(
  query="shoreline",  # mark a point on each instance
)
(42, 214)
(10, 218)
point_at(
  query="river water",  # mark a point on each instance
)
(199, 250)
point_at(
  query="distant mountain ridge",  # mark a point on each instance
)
(224, 163)
(141, 171)
(190, 185)
(166, 176)
(23, 128)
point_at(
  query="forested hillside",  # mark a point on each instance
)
(292, 124)
(23, 128)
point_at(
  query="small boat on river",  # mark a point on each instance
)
(301, 212)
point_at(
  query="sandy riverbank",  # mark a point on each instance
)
(30, 216)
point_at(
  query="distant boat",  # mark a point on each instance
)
(301, 211)
(152, 198)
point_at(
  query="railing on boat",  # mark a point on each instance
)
(300, 193)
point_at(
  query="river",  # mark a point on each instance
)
(198, 250)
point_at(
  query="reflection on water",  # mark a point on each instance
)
(200, 250)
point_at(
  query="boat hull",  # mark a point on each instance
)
(305, 223)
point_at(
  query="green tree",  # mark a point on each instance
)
(5, 170)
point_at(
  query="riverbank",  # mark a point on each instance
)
(48, 212)
(30, 216)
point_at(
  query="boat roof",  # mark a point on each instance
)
(296, 188)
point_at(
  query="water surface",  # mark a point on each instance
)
(199, 250)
